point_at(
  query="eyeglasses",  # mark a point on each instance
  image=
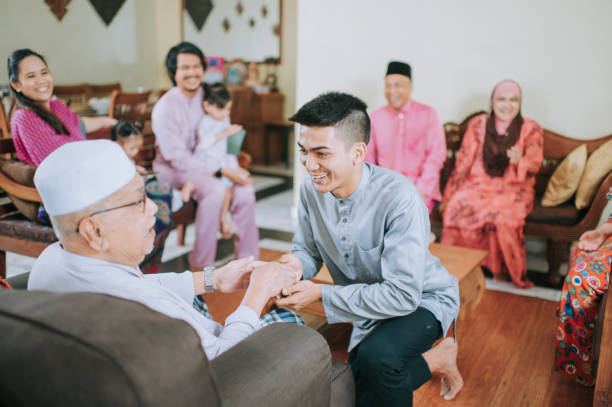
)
(142, 201)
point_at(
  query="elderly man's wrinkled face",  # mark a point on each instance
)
(129, 229)
(397, 90)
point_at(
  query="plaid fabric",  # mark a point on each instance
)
(276, 315)
(200, 305)
(281, 315)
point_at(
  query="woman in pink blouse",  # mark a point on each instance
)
(40, 124)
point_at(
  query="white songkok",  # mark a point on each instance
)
(81, 173)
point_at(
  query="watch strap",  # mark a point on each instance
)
(208, 279)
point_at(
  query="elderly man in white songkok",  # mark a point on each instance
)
(104, 222)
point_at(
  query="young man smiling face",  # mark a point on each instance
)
(333, 166)
(333, 144)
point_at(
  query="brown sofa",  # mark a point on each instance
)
(83, 349)
(559, 225)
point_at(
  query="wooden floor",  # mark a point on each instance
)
(506, 353)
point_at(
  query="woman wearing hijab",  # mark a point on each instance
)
(491, 189)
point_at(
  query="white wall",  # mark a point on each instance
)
(241, 40)
(558, 50)
(81, 48)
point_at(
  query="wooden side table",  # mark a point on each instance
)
(461, 262)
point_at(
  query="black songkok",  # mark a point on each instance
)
(401, 68)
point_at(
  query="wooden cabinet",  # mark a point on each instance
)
(252, 111)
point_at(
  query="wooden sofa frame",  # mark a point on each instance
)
(558, 237)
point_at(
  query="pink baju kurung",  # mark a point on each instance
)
(485, 212)
(175, 120)
(411, 142)
(35, 139)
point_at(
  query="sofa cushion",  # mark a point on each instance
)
(565, 214)
(292, 367)
(17, 227)
(23, 174)
(564, 181)
(597, 167)
(343, 385)
(83, 349)
(19, 281)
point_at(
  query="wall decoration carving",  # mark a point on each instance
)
(198, 10)
(59, 8)
(107, 9)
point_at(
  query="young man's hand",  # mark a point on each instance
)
(299, 295)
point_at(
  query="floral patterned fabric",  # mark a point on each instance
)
(587, 281)
(488, 213)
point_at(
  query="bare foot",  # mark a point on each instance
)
(227, 229)
(186, 190)
(442, 359)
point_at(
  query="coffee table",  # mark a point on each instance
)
(461, 262)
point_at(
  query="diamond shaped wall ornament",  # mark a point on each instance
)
(107, 9)
(277, 30)
(251, 22)
(226, 24)
(58, 7)
(198, 10)
(239, 8)
(264, 11)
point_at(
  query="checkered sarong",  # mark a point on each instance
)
(276, 315)
(200, 305)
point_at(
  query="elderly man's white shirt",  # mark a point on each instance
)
(171, 294)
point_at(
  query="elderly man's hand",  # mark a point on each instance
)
(299, 295)
(292, 261)
(273, 277)
(234, 276)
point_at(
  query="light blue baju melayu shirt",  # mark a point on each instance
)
(375, 245)
(172, 294)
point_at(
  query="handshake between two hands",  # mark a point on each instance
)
(277, 280)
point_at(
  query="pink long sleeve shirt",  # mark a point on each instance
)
(411, 142)
(35, 139)
(175, 121)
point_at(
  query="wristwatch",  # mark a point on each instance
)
(218, 174)
(208, 279)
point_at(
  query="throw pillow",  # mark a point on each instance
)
(566, 178)
(23, 174)
(598, 166)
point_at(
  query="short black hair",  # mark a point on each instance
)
(216, 94)
(125, 129)
(340, 110)
(182, 48)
